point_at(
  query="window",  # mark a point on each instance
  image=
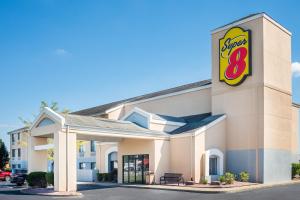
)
(93, 146)
(19, 166)
(18, 136)
(13, 166)
(13, 138)
(82, 165)
(81, 148)
(19, 152)
(45, 122)
(93, 165)
(13, 153)
(213, 165)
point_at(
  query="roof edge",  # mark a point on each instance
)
(25, 128)
(296, 105)
(250, 18)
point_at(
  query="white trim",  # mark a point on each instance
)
(107, 152)
(202, 129)
(170, 95)
(250, 19)
(141, 112)
(220, 155)
(150, 118)
(43, 147)
(112, 133)
(114, 108)
(52, 115)
(108, 143)
(157, 121)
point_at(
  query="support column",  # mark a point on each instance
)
(38, 160)
(65, 173)
(98, 156)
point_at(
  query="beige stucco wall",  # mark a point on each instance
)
(37, 160)
(277, 120)
(163, 127)
(190, 103)
(259, 111)
(181, 149)
(133, 147)
(158, 151)
(188, 150)
(243, 104)
(101, 152)
(295, 131)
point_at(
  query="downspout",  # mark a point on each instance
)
(67, 164)
(191, 162)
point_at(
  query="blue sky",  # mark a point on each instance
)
(86, 53)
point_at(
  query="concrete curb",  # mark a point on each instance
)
(212, 190)
(41, 192)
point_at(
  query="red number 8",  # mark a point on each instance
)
(237, 64)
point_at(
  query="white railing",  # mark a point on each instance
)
(87, 175)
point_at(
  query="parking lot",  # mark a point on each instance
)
(96, 192)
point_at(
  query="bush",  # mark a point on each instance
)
(204, 181)
(229, 178)
(295, 169)
(244, 176)
(50, 178)
(298, 172)
(222, 179)
(104, 177)
(108, 177)
(37, 179)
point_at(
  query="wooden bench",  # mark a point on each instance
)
(171, 178)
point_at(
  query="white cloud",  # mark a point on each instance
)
(61, 52)
(296, 69)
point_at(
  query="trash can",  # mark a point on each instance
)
(150, 178)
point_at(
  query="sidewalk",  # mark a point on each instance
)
(194, 188)
(48, 192)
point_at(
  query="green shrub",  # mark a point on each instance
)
(104, 177)
(222, 179)
(229, 178)
(204, 181)
(50, 178)
(108, 177)
(37, 179)
(298, 172)
(295, 169)
(244, 176)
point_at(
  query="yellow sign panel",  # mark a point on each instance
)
(235, 56)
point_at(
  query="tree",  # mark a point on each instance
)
(54, 106)
(4, 157)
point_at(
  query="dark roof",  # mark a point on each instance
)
(168, 118)
(296, 105)
(196, 121)
(102, 108)
(23, 129)
(109, 125)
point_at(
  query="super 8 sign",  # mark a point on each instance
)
(235, 56)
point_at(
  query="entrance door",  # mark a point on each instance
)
(135, 168)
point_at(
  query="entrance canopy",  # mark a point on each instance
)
(90, 128)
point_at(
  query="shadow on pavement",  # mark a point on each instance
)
(11, 192)
(85, 187)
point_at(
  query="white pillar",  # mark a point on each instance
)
(65, 173)
(37, 160)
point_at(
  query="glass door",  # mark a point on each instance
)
(134, 168)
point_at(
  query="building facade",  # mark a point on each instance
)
(18, 148)
(243, 119)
